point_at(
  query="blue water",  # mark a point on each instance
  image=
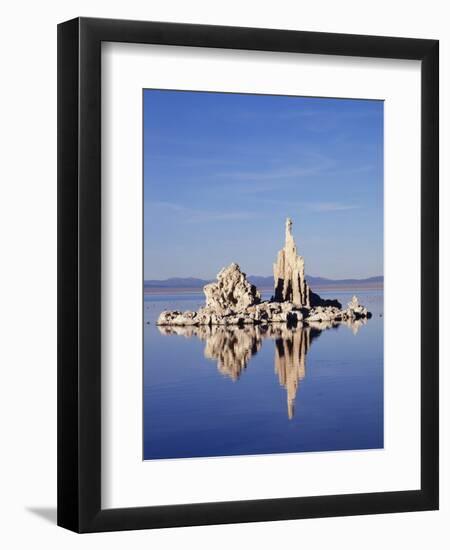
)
(218, 392)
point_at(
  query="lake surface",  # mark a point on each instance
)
(219, 391)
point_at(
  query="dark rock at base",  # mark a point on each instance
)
(317, 301)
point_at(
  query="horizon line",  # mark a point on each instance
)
(265, 277)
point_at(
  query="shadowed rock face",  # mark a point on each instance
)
(289, 273)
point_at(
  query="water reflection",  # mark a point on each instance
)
(234, 346)
(291, 347)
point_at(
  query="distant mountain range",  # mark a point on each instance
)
(260, 282)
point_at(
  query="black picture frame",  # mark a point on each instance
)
(79, 274)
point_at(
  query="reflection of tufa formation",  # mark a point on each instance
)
(290, 360)
(232, 300)
(233, 347)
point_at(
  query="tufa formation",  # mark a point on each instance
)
(289, 273)
(233, 300)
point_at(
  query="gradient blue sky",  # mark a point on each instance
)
(223, 171)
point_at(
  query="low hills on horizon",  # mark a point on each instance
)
(193, 283)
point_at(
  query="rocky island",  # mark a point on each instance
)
(233, 300)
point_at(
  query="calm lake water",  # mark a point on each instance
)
(234, 391)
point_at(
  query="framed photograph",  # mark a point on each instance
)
(248, 274)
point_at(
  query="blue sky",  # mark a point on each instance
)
(223, 171)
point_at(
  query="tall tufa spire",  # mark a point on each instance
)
(289, 242)
(288, 228)
(289, 273)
